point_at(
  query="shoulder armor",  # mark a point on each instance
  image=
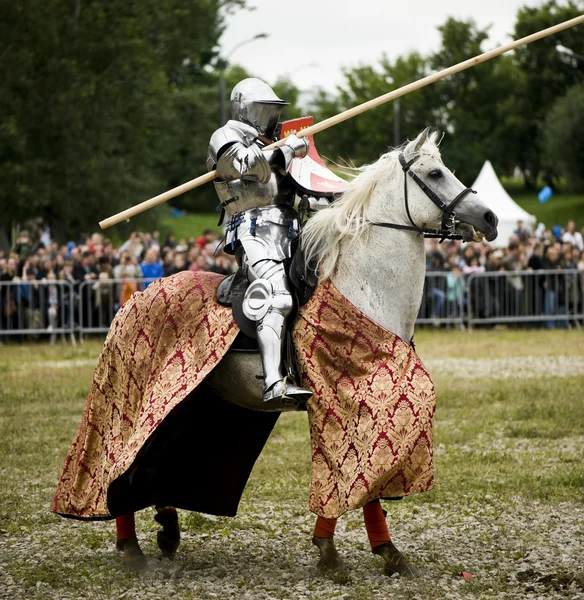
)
(232, 132)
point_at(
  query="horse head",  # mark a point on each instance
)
(433, 198)
(407, 189)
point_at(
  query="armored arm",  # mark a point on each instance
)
(235, 154)
(293, 147)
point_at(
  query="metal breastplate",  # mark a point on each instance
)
(240, 195)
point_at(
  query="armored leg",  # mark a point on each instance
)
(268, 301)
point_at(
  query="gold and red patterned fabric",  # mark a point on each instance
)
(372, 414)
(370, 419)
(162, 344)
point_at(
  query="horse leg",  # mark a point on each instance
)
(324, 532)
(381, 544)
(127, 542)
(168, 537)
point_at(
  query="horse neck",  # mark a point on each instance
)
(382, 274)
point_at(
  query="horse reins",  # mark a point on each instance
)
(448, 214)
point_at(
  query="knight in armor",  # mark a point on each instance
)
(253, 191)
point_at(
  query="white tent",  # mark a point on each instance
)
(491, 191)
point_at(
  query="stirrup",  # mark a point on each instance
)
(285, 395)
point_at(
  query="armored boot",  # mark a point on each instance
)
(271, 331)
(268, 301)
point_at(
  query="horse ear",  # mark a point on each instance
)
(416, 145)
(422, 139)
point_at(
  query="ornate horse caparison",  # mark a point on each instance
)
(369, 247)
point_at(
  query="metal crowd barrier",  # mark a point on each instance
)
(100, 300)
(554, 298)
(35, 308)
(443, 300)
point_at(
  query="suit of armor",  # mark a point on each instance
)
(252, 191)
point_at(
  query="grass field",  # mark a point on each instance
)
(191, 225)
(560, 208)
(508, 504)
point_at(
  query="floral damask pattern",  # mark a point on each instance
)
(370, 419)
(162, 344)
(372, 415)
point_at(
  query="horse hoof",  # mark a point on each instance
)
(330, 559)
(395, 561)
(168, 537)
(134, 558)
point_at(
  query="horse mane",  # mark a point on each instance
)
(346, 219)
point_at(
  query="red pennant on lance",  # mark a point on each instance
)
(310, 172)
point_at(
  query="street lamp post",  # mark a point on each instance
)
(396, 122)
(224, 65)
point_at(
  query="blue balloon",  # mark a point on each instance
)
(545, 194)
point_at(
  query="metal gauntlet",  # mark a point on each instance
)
(294, 147)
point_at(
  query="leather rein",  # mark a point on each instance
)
(448, 214)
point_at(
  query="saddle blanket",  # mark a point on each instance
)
(372, 413)
(370, 419)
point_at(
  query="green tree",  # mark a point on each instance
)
(547, 75)
(365, 137)
(563, 136)
(478, 107)
(97, 98)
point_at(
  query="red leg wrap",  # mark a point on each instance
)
(126, 526)
(325, 528)
(376, 524)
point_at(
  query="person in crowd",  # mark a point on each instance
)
(472, 265)
(555, 291)
(85, 270)
(535, 283)
(455, 292)
(170, 242)
(571, 236)
(52, 303)
(513, 262)
(436, 292)
(30, 297)
(24, 246)
(521, 232)
(209, 236)
(150, 267)
(103, 292)
(127, 271)
(8, 295)
(221, 266)
(179, 263)
(133, 246)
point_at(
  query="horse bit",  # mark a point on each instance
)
(448, 214)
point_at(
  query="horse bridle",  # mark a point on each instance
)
(448, 214)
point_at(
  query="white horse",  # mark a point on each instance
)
(378, 268)
(370, 244)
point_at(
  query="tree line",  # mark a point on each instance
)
(104, 104)
(523, 110)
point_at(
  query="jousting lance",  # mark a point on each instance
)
(348, 114)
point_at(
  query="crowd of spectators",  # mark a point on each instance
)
(36, 258)
(36, 266)
(540, 250)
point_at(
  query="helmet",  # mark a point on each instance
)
(255, 103)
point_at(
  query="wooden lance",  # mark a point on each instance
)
(348, 114)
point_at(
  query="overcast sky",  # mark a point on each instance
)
(345, 33)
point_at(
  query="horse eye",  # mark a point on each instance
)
(436, 173)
